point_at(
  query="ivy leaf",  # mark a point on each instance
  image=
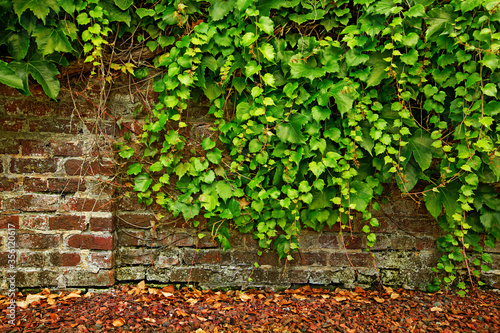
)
(287, 132)
(40, 8)
(9, 77)
(410, 58)
(142, 182)
(446, 197)
(417, 10)
(361, 196)
(266, 24)
(214, 156)
(224, 190)
(439, 19)
(343, 99)
(141, 12)
(123, 4)
(50, 40)
(134, 169)
(219, 9)
(207, 144)
(419, 145)
(17, 43)
(239, 83)
(254, 146)
(252, 68)
(267, 51)
(378, 66)
(42, 71)
(489, 218)
(300, 68)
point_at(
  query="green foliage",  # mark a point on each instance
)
(315, 104)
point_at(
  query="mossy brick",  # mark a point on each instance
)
(357, 259)
(8, 183)
(37, 241)
(11, 124)
(90, 205)
(29, 107)
(9, 146)
(35, 203)
(33, 147)
(132, 238)
(135, 273)
(66, 148)
(51, 125)
(64, 259)
(36, 278)
(81, 278)
(33, 165)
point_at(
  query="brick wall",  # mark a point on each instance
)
(75, 228)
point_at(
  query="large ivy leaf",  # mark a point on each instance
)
(343, 97)
(114, 13)
(9, 77)
(439, 19)
(420, 146)
(361, 195)
(50, 40)
(378, 66)
(40, 8)
(123, 4)
(410, 177)
(17, 43)
(489, 218)
(288, 132)
(219, 9)
(446, 197)
(142, 182)
(42, 71)
(300, 68)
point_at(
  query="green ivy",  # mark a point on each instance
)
(315, 106)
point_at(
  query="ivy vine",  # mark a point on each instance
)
(315, 105)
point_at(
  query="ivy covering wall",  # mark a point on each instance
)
(315, 104)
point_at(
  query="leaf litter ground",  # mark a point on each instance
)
(143, 309)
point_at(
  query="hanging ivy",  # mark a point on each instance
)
(315, 104)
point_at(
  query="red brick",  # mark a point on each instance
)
(37, 241)
(29, 107)
(131, 238)
(33, 165)
(33, 184)
(90, 205)
(102, 260)
(67, 222)
(206, 257)
(7, 221)
(11, 125)
(54, 126)
(130, 203)
(33, 147)
(183, 240)
(269, 258)
(35, 222)
(328, 241)
(8, 184)
(5, 90)
(66, 148)
(354, 242)
(91, 242)
(102, 224)
(66, 185)
(31, 259)
(35, 203)
(131, 220)
(9, 146)
(77, 167)
(64, 259)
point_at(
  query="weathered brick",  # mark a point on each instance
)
(31, 259)
(92, 242)
(35, 203)
(4, 258)
(37, 241)
(132, 256)
(101, 260)
(131, 220)
(11, 124)
(36, 278)
(9, 146)
(5, 90)
(64, 259)
(79, 278)
(33, 165)
(33, 147)
(206, 257)
(340, 259)
(130, 203)
(54, 126)
(78, 167)
(354, 242)
(67, 222)
(183, 240)
(309, 259)
(90, 205)
(29, 106)
(131, 238)
(328, 241)
(66, 148)
(66, 185)
(9, 221)
(421, 226)
(8, 183)
(35, 184)
(197, 274)
(35, 222)
(102, 224)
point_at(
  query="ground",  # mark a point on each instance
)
(140, 308)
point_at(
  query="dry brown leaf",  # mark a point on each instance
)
(325, 296)
(150, 320)
(339, 298)
(436, 309)
(45, 291)
(389, 290)
(51, 301)
(53, 316)
(394, 295)
(118, 322)
(141, 285)
(88, 294)
(379, 300)
(167, 294)
(192, 301)
(168, 289)
(297, 296)
(244, 297)
(201, 318)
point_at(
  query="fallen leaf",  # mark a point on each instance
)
(379, 300)
(394, 295)
(118, 322)
(167, 294)
(339, 298)
(141, 285)
(436, 309)
(244, 297)
(168, 289)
